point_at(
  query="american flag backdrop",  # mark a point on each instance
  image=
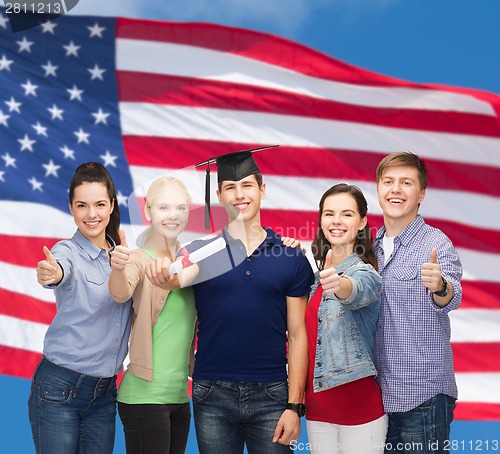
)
(147, 98)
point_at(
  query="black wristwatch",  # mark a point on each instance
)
(300, 409)
(444, 290)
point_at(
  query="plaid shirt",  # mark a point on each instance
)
(412, 347)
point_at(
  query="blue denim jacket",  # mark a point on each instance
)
(346, 327)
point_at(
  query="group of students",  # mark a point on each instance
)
(361, 347)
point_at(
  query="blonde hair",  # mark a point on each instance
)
(166, 182)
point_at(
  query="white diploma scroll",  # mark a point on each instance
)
(199, 254)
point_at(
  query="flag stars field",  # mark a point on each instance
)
(50, 69)
(72, 49)
(3, 118)
(29, 88)
(40, 130)
(9, 160)
(82, 136)
(109, 159)
(56, 112)
(75, 93)
(26, 143)
(96, 31)
(51, 169)
(3, 21)
(56, 101)
(5, 63)
(96, 72)
(48, 27)
(68, 153)
(13, 105)
(36, 185)
(100, 117)
(25, 45)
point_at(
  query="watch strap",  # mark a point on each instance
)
(444, 289)
(300, 408)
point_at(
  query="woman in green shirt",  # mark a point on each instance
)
(153, 401)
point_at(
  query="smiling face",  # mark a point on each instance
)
(340, 223)
(399, 195)
(91, 209)
(242, 198)
(168, 212)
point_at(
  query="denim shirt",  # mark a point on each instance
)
(346, 327)
(89, 333)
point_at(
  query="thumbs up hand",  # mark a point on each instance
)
(431, 273)
(328, 277)
(48, 270)
(120, 254)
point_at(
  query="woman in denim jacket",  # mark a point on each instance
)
(344, 403)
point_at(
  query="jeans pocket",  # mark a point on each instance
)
(419, 428)
(53, 392)
(201, 390)
(278, 391)
(414, 443)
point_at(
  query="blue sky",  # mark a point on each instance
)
(452, 42)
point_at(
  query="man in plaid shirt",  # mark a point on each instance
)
(421, 274)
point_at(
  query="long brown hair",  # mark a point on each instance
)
(363, 245)
(93, 172)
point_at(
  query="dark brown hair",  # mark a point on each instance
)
(93, 172)
(363, 245)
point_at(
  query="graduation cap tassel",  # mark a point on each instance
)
(207, 198)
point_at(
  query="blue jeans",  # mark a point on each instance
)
(155, 428)
(423, 430)
(228, 415)
(71, 412)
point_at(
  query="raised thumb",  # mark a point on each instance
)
(123, 238)
(48, 255)
(328, 259)
(434, 255)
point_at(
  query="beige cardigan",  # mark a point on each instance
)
(148, 302)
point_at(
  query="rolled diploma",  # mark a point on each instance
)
(199, 254)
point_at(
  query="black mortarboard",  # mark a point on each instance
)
(236, 166)
(231, 166)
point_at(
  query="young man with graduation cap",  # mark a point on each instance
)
(251, 299)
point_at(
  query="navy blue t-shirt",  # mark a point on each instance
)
(241, 304)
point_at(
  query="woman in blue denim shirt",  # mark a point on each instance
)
(344, 403)
(72, 403)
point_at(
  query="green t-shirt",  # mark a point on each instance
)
(172, 338)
